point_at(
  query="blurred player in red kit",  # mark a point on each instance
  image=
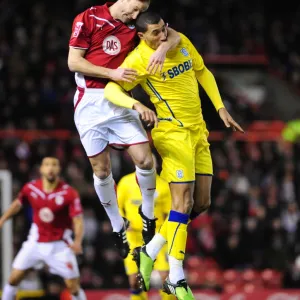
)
(101, 38)
(57, 212)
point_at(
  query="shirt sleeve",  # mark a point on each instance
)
(198, 63)
(23, 195)
(134, 61)
(82, 29)
(75, 208)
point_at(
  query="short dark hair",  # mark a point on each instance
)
(146, 18)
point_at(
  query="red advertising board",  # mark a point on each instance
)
(202, 295)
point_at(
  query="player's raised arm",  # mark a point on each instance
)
(14, 208)
(77, 63)
(157, 59)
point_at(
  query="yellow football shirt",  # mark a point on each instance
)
(130, 198)
(174, 91)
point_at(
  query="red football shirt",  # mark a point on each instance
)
(52, 212)
(107, 41)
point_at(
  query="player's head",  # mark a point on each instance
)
(130, 9)
(50, 168)
(152, 29)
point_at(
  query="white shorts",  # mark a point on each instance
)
(101, 123)
(60, 259)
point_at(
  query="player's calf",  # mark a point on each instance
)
(11, 288)
(145, 176)
(136, 292)
(73, 286)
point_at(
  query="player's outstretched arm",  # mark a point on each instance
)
(208, 82)
(14, 208)
(78, 226)
(77, 63)
(117, 95)
(157, 59)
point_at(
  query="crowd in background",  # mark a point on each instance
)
(254, 218)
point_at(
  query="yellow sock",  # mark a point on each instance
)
(163, 230)
(165, 296)
(141, 296)
(177, 234)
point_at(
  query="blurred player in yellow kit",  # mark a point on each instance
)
(180, 138)
(129, 200)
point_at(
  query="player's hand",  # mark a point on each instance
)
(156, 61)
(123, 74)
(146, 114)
(1, 224)
(228, 120)
(77, 248)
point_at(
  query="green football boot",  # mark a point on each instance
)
(181, 290)
(145, 265)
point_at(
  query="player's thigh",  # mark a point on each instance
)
(202, 192)
(203, 160)
(175, 147)
(91, 117)
(141, 155)
(127, 131)
(204, 171)
(161, 264)
(94, 139)
(16, 276)
(27, 257)
(101, 163)
(62, 261)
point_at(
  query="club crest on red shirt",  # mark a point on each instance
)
(111, 45)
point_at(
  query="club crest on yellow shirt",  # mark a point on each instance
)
(184, 52)
(179, 174)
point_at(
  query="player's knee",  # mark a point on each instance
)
(101, 168)
(184, 206)
(16, 277)
(144, 162)
(13, 281)
(101, 171)
(73, 286)
(202, 204)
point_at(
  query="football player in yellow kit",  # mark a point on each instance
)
(180, 138)
(129, 200)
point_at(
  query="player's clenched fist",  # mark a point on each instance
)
(146, 114)
(123, 74)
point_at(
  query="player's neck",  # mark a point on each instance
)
(48, 186)
(114, 11)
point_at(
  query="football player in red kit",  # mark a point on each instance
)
(101, 38)
(57, 213)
